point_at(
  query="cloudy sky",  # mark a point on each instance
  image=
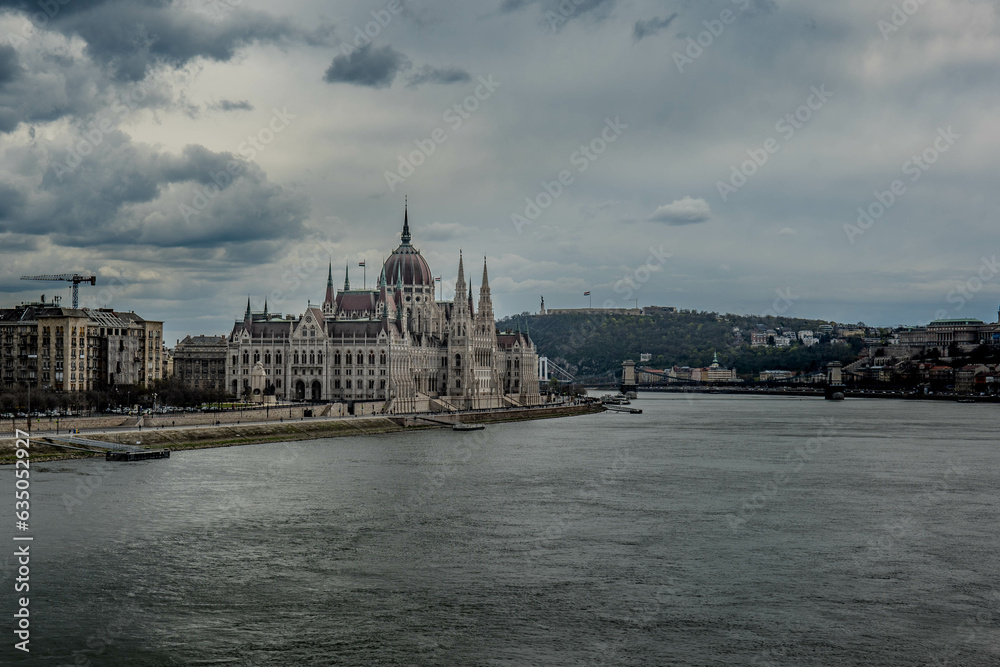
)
(709, 154)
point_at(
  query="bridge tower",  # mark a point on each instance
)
(834, 390)
(629, 383)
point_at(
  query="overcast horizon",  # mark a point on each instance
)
(726, 155)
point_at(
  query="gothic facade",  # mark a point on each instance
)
(393, 349)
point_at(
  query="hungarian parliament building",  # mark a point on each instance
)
(393, 349)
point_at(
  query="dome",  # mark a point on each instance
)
(411, 263)
(407, 260)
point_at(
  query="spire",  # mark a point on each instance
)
(485, 300)
(406, 222)
(347, 277)
(248, 315)
(331, 297)
(266, 316)
(461, 271)
(399, 278)
(381, 279)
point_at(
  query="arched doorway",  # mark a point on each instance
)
(300, 390)
(317, 391)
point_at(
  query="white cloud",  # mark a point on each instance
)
(686, 211)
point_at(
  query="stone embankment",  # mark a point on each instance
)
(232, 434)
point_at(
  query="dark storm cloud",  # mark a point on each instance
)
(649, 27)
(131, 37)
(445, 76)
(11, 201)
(132, 194)
(10, 67)
(556, 13)
(231, 105)
(368, 66)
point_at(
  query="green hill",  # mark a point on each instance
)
(593, 346)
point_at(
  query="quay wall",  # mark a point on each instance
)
(230, 434)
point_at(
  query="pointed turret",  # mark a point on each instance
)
(347, 277)
(266, 316)
(485, 299)
(331, 296)
(248, 316)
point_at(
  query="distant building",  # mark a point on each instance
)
(200, 362)
(941, 334)
(758, 339)
(47, 346)
(594, 311)
(716, 373)
(766, 376)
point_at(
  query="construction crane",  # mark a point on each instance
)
(74, 278)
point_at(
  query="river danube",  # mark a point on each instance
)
(709, 530)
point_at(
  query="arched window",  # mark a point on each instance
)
(371, 357)
(381, 357)
(350, 358)
(336, 358)
(277, 357)
(312, 357)
(361, 357)
(246, 357)
(319, 358)
(296, 356)
(267, 358)
(256, 356)
(458, 361)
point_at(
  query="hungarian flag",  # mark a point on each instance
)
(361, 263)
(438, 279)
(586, 293)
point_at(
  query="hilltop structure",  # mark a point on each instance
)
(392, 349)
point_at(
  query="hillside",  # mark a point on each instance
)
(594, 346)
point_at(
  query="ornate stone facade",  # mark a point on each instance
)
(395, 348)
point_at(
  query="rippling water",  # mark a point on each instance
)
(710, 530)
